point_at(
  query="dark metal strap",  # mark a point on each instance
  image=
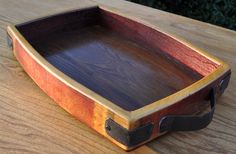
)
(126, 137)
(188, 122)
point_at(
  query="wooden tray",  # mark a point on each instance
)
(119, 75)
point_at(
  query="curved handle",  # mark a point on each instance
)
(188, 122)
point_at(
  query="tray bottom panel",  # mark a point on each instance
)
(118, 69)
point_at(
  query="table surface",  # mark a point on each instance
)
(30, 122)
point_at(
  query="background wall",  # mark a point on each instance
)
(218, 12)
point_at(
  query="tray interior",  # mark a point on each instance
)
(121, 68)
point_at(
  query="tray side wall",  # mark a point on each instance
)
(152, 39)
(60, 22)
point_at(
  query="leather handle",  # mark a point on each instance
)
(188, 122)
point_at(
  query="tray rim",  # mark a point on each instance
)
(134, 115)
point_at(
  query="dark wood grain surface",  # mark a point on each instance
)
(114, 67)
(32, 123)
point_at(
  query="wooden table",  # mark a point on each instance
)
(31, 122)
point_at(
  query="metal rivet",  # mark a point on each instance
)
(221, 85)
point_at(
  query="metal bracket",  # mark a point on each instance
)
(9, 41)
(126, 137)
(188, 122)
(224, 83)
(194, 122)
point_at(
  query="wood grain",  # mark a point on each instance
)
(114, 67)
(31, 122)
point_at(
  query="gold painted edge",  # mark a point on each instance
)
(130, 116)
